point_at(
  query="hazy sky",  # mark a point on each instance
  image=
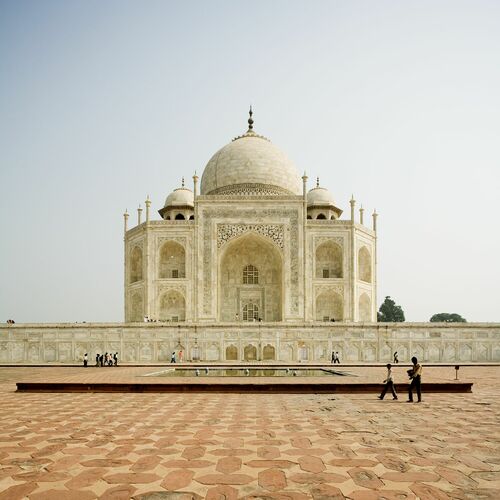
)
(105, 102)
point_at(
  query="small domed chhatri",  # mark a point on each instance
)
(179, 202)
(253, 245)
(250, 165)
(320, 204)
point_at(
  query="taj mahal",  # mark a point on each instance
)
(251, 264)
(254, 244)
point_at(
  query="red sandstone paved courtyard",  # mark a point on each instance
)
(261, 446)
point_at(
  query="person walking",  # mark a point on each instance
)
(337, 358)
(415, 373)
(395, 356)
(115, 358)
(333, 357)
(389, 383)
(85, 360)
(172, 358)
(97, 359)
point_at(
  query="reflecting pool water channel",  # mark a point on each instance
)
(248, 372)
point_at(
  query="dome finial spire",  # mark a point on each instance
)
(182, 181)
(317, 182)
(250, 120)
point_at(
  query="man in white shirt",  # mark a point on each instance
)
(415, 374)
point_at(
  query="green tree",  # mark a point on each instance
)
(447, 318)
(390, 312)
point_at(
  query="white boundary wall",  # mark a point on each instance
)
(155, 342)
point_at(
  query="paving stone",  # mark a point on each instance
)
(323, 477)
(188, 464)
(222, 493)
(381, 495)
(311, 464)
(268, 452)
(63, 495)
(224, 479)
(352, 462)
(18, 491)
(394, 463)
(120, 492)
(301, 442)
(131, 478)
(227, 465)
(476, 494)
(177, 479)
(486, 476)
(326, 492)
(456, 477)
(266, 464)
(366, 478)
(193, 452)
(411, 476)
(272, 479)
(428, 492)
(146, 463)
(167, 495)
(86, 478)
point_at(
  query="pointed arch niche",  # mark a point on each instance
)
(250, 278)
(136, 265)
(365, 308)
(172, 260)
(172, 306)
(329, 306)
(364, 265)
(329, 260)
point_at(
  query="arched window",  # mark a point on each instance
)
(180, 217)
(250, 312)
(321, 216)
(250, 275)
(136, 265)
(191, 217)
(364, 265)
(309, 217)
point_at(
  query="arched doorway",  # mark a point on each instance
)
(231, 353)
(250, 353)
(250, 280)
(269, 352)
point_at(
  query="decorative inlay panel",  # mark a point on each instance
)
(226, 232)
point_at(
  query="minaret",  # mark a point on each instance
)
(139, 215)
(304, 185)
(361, 214)
(148, 206)
(353, 204)
(125, 221)
(374, 216)
(195, 184)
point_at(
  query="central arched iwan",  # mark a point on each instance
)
(250, 277)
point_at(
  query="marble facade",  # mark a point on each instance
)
(154, 342)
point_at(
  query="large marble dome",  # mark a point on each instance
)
(250, 165)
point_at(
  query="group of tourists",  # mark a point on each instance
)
(414, 374)
(335, 357)
(11, 322)
(106, 359)
(176, 357)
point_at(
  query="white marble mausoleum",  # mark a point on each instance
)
(254, 244)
